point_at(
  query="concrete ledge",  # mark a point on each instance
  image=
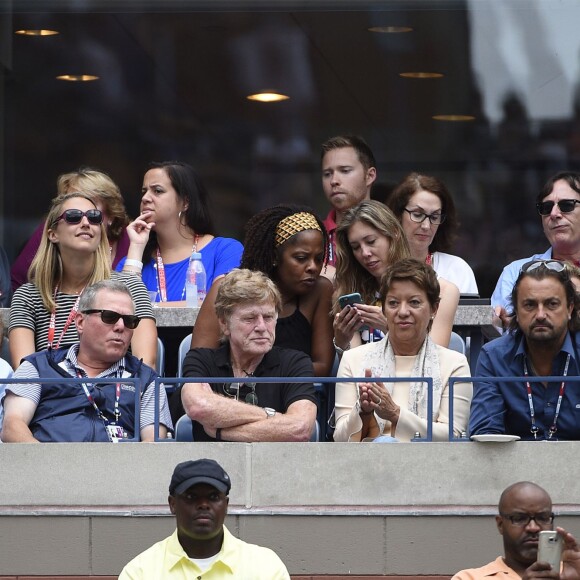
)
(326, 508)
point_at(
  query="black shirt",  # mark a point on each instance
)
(279, 362)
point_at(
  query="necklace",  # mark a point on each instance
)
(160, 267)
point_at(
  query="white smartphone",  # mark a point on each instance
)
(550, 548)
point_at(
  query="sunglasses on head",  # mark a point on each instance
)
(110, 317)
(234, 390)
(75, 216)
(554, 265)
(565, 206)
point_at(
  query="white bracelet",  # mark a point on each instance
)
(136, 263)
(339, 350)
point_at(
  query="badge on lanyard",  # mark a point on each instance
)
(115, 432)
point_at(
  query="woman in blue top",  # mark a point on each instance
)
(174, 222)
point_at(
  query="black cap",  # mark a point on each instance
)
(207, 471)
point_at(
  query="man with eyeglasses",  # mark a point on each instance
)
(98, 412)
(348, 173)
(525, 509)
(559, 207)
(202, 546)
(542, 342)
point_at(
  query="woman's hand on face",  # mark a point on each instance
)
(372, 316)
(345, 324)
(139, 229)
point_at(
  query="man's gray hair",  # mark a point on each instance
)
(89, 294)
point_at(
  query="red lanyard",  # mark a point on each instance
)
(52, 323)
(429, 260)
(534, 429)
(161, 272)
(95, 406)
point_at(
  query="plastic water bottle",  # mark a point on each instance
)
(195, 281)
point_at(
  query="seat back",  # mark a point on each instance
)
(457, 343)
(184, 347)
(160, 363)
(184, 429)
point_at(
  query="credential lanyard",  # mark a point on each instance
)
(52, 323)
(161, 271)
(534, 429)
(96, 407)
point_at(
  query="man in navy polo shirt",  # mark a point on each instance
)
(99, 412)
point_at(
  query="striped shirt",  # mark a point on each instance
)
(28, 311)
(70, 365)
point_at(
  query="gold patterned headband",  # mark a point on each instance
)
(294, 224)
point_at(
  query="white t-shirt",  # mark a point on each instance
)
(456, 270)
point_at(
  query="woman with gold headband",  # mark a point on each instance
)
(287, 243)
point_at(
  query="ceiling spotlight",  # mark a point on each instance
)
(38, 32)
(267, 97)
(421, 75)
(453, 118)
(390, 29)
(77, 78)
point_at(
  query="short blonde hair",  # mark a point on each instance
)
(242, 286)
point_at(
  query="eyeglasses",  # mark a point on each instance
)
(565, 206)
(419, 217)
(522, 520)
(554, 265)
(234, 390)
(110, 317)
(75, 216)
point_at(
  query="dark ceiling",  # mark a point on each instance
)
(173, 77)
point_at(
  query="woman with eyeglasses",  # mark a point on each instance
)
(410, 295)
(108, 199)
(73, 254)
(425, 209)
(369, 239)
(247, 305)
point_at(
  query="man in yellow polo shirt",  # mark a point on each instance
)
(202, 547)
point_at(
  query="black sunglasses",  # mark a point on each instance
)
(110, 317)
(234, 390)
(74, 216)
(554, 265)
(565, 205)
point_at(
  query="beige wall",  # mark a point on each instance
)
(415, 508)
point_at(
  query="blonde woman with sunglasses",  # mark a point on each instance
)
(73, 254)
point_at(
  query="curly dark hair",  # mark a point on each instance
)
(414, 182)
(260, 251)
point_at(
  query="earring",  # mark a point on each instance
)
(179, 216)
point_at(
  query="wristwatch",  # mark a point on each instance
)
(269, 411)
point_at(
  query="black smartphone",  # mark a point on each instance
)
(351, 299)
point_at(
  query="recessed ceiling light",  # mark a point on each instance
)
(390, 29)
(77, 78)
(38, 32)
(453, 117)
(421, 75)
(267, 97)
